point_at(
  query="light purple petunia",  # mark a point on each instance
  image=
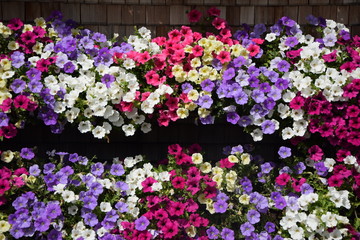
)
(141, 223)
(284, 152)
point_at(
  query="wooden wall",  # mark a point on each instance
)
(120, 16)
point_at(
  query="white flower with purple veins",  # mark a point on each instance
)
(330, 40)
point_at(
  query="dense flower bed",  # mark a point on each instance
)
(278, 80)
(240, 196)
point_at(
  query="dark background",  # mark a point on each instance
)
(212, 138)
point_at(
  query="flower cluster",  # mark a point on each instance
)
(240, 196)
(255, 78)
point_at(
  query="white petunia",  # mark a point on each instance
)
(128, 129)
(72, 210)
(99, 132)
(85, 126)
(105, 206)
(68, 196)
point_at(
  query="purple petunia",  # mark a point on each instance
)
(4, 119)
(227, 234)
(258, 96)
(212, 232)
(244, 121)
(42, 224)
(17, 59)
(34, 74)
(69, 67)
(34, 170)
(122, 207)
(306, 189)
(108, 79)
(207, 85)
(96, 188)
(18, 85)
(121, 185)
(291, 42)
(90, 202)
(241, 98)
(299, 168)
(205, 101)
(53, 209)
(48, 168)
(141, 223)
(97, 169)
(228, 74)
(237, 149)
(280, 203)
(282, 84)
(269, 227)
(35, 86)
(117, 169)
(268, 127)
(220, 206)
(27, 153)
(253, 216)
(266, 167)
(284, 152)
(246, 229)
(186, 87)
(232, 117)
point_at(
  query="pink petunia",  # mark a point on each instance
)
(6, 104)
(178, 182)
(20, 171)
(225, 163)
(161, 214)
(21, 101)
(335, 181)
(28, 38)
(174, 149)
(219, 23)
(296, 184)
(183, 158)
(5, 173)
(193, 172)
(147, 184)
(293, 54)
(224, 57)
(15, 24)
(176, 208)
(348, 66)
(213, 11)
(297, 102)
(18, 181)
(316, 153)
(194, 15)
(9, 131)
(282, 179)
(170, 229)
(331, 57)
(4, 186)
(253, 49)
(354, 138)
